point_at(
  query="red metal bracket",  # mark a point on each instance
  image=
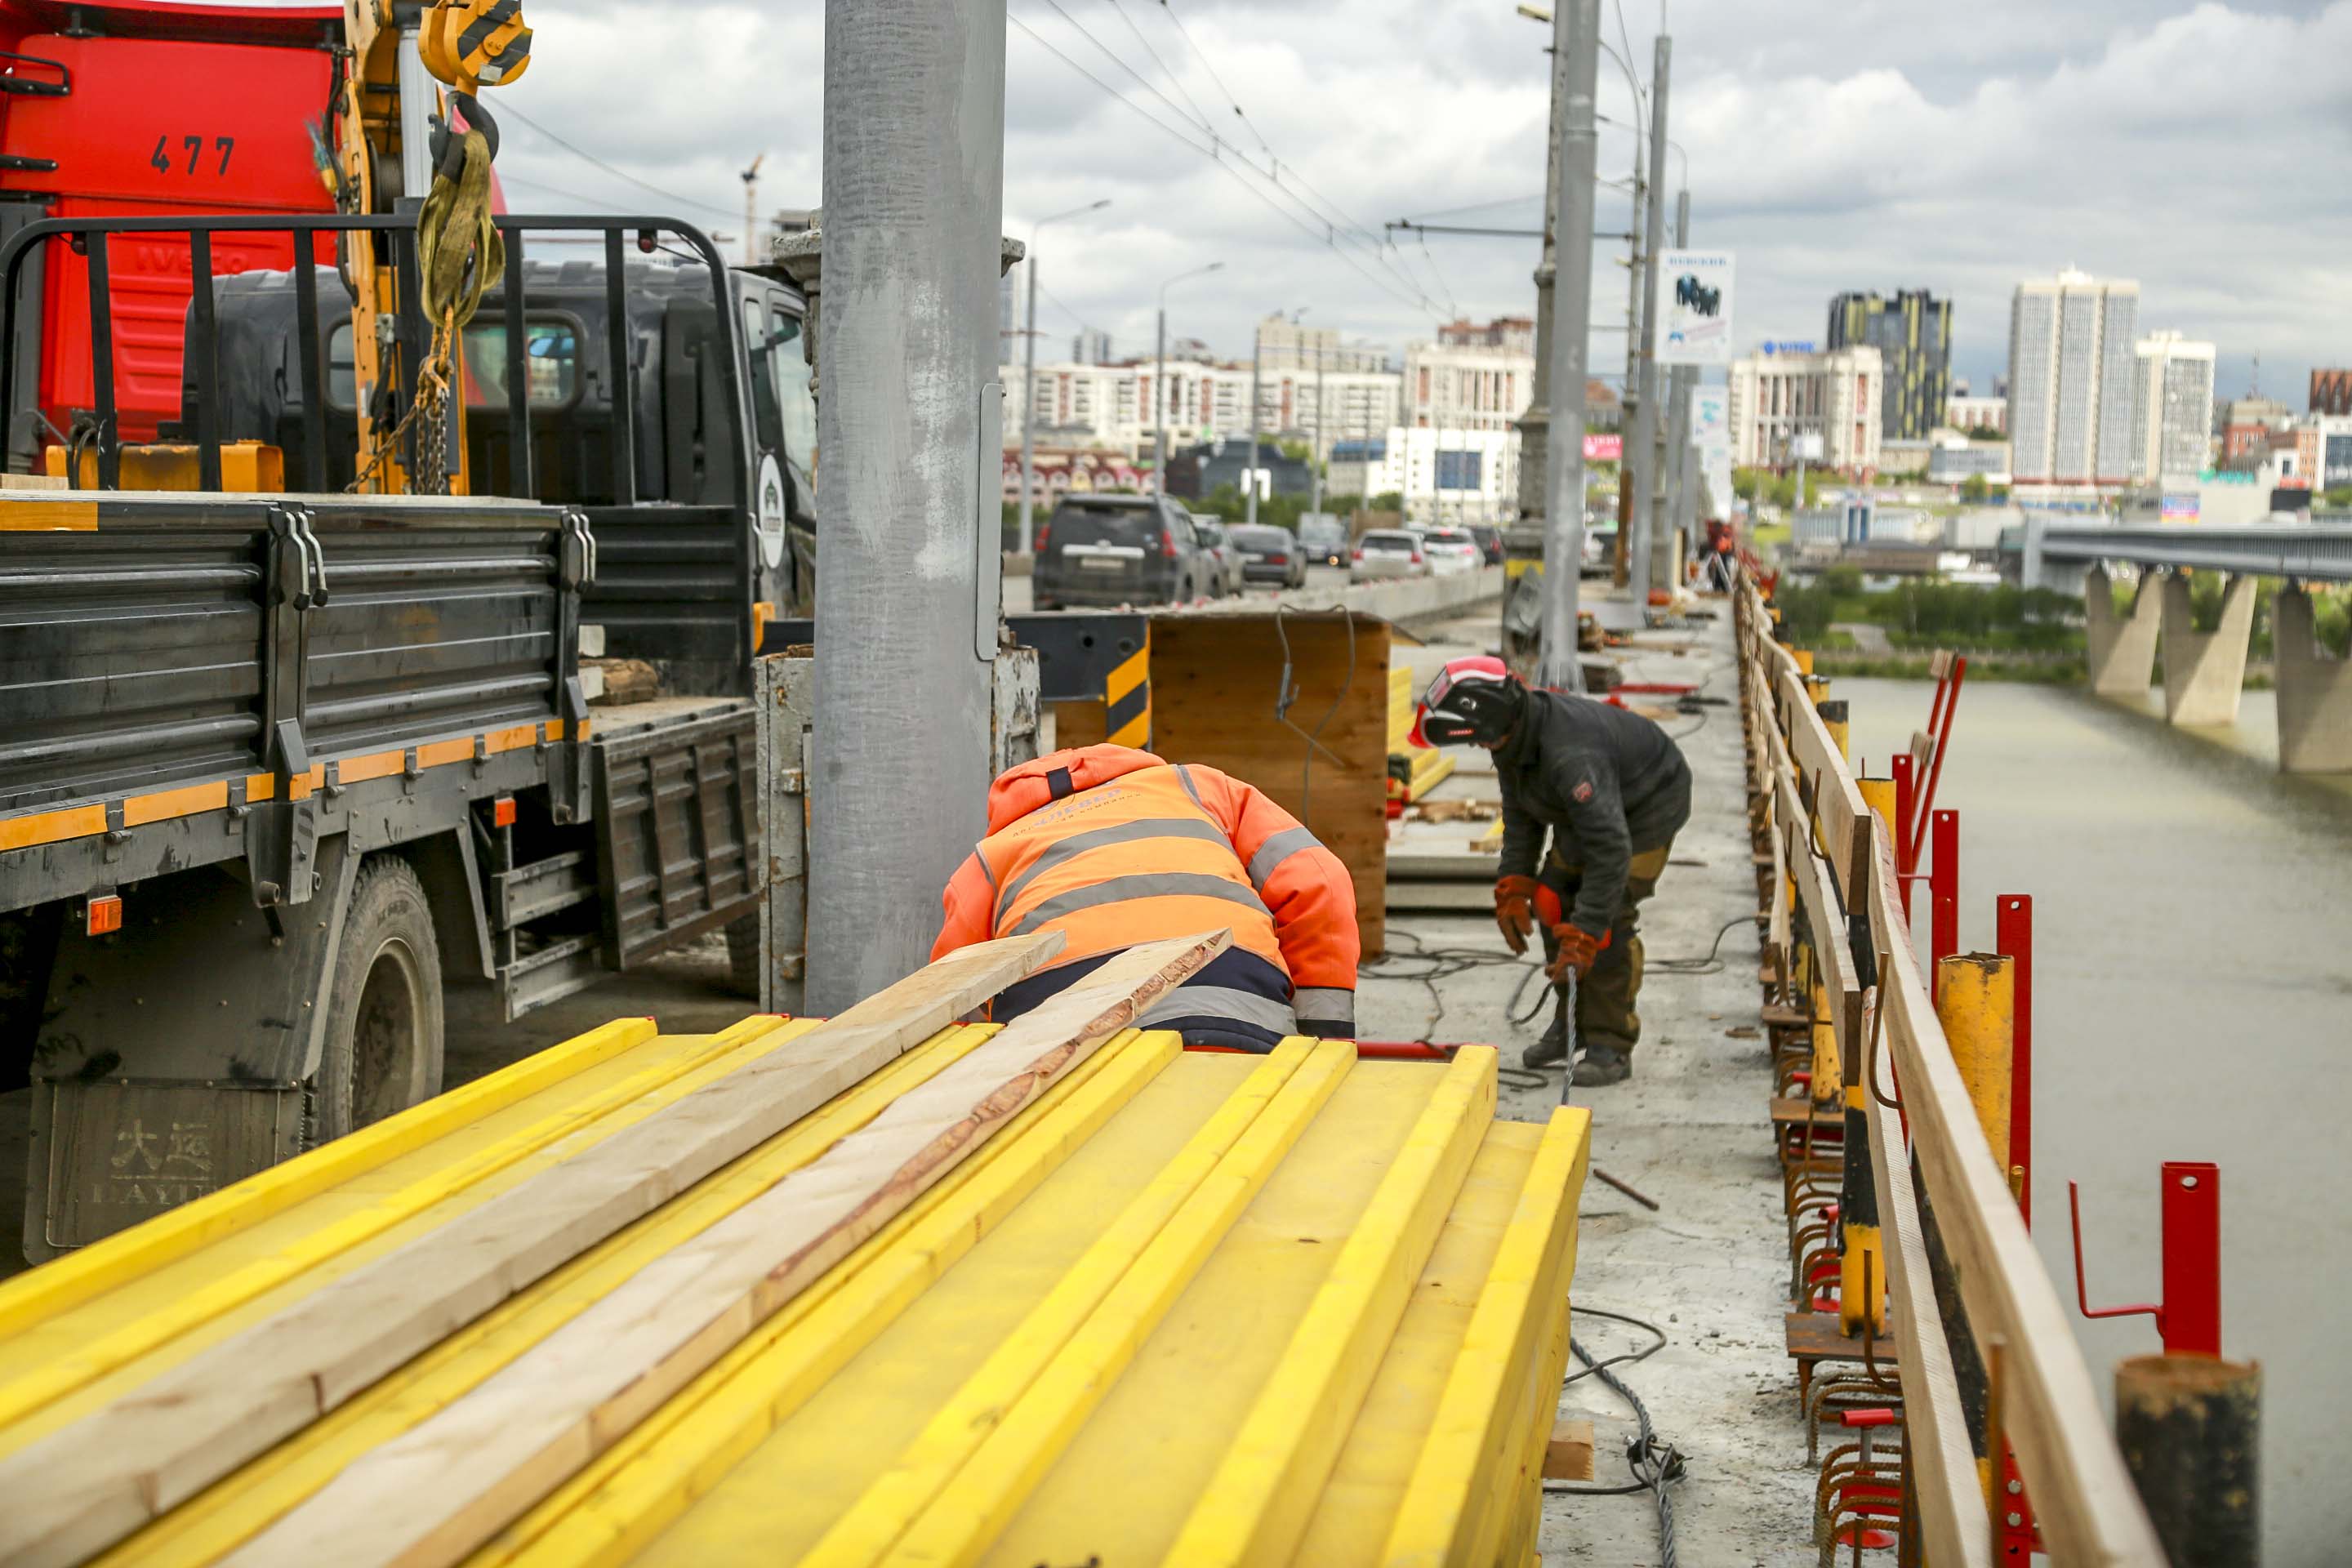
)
(2013, 935)
(1943, 889)
(1900, 828)
(2189, 1319)
(1939, 725)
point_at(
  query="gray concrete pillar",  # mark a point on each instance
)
(2122, 654)
(2205, 672)
(2315, 692)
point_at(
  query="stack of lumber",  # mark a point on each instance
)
(884, 1288)
(1413, 771)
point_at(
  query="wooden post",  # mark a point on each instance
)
(2190, 1429)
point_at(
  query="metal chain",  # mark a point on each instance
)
(430, 403)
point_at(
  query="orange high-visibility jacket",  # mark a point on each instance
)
(1113, 847)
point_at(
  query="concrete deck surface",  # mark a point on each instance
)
(1710, 1268)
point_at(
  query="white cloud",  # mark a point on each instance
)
(1835, 144)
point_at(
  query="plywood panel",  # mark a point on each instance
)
(1216, 681)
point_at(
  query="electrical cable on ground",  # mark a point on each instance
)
(1656, 1465)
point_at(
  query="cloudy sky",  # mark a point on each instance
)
(1831, 144)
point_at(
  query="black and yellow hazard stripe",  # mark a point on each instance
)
(1127, 699)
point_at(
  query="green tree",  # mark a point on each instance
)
(1976, 488)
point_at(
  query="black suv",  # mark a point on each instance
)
(1119, 550)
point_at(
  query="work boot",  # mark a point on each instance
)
(1603, 1066)
(1551, 1050)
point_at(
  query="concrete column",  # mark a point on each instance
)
(2122, 649)
(2315, 692)
(2205, 672)
(912, 429)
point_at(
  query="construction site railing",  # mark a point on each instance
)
(1835, 855)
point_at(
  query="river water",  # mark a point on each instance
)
(2192, 1000)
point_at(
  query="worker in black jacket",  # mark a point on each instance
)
(1614, 791)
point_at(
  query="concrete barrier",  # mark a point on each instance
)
(1400, 599)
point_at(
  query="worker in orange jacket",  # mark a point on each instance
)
(1112, 847)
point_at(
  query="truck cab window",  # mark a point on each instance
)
(767, 415)
(788, 364)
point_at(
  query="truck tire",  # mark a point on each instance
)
(383, 1044)
(743, 957)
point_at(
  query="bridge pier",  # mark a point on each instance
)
(2122, 657)
(2315, 692)
(2205, 672)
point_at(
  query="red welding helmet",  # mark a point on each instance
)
(1474, 700)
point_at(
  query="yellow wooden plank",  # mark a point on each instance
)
(226, 1514)
(886, 1508)
(1446, 1483)
(630, 1508)
(1132, 1475)
(1358, 1502)
(970, 1512)
(120, 1259)
(1256, 1508)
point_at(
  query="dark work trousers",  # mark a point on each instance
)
(1605, 998)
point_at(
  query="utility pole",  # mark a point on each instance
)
(1642, 549)
(1576, 45)
(1535, 425)
(1029, 379)
(752, 257)
(1160, 379)
(1249, 474)
(1629, 397)
(912, 252)
(1673, 471)
(1322, 447)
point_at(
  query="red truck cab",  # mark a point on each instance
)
(110, 108)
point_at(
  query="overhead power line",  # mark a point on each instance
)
(1418, 298)
(508, 109)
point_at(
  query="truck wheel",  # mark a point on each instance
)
(743, 957)
(383, 1004)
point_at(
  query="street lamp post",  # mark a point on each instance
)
(1029, 379)
(1159, 378)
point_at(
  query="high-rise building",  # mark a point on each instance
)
(1780, 400)
(1913, 335)
(2072, 352)
(1091, 346)
(2172, 402)
(1285, 344)
(1476, 376)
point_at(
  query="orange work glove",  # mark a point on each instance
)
(1515, 912)
(1577, 949)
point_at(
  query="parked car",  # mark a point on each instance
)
(1119, 550)
(1599, 551)
(1388, 552)
(1218, 545)
(1451, 552)
(1270, 555)
(1490, 541)
(1324, 539)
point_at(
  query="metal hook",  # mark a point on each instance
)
(2082, 1296)
(1877, 1030)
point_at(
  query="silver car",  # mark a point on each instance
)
(1218, 545)
(1388, 552)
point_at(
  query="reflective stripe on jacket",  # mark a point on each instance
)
(1112, 847)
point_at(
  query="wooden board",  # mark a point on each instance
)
(443, 1488)
(1836, 801)
(1213, 691)
(90, 1483)
(1833, 959)
(2082, 1497)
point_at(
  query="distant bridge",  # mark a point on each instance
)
(2204, 671)
(2054, 553)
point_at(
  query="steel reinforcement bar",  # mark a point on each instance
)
(1919, 1117)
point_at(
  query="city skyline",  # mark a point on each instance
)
(1932, 138)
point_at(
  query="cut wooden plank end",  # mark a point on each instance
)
(1568, 1457)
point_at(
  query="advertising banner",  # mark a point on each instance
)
(1694, 306)
(1711, 433)
(1605, 446)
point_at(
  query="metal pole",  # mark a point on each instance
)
(1641, 555)
(1629, 397)
(1029, 402)
(910, 421)
(1160, 403)
(1576, 38)
(1535, 425)
(1249, 473)
(1322, 447)
(1675, 473)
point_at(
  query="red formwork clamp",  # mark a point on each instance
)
(1939, 726)
(1943, 889)
(2013, 936)
(2189, 1319)
(1906, 867)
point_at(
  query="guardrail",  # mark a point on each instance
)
(1840, 940)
